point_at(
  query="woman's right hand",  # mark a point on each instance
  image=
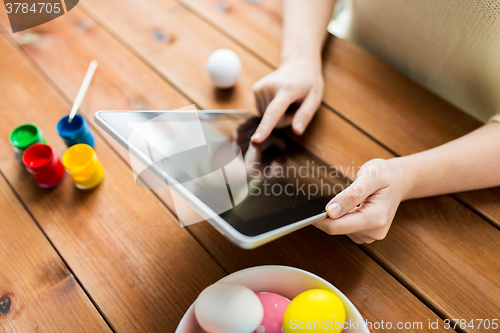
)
(298, 81)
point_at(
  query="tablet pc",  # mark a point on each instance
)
(251, 193)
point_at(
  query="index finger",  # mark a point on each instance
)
(273, 113)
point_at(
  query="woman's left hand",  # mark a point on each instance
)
(364, 211)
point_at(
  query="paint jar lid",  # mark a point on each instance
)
(25, 135)
(38, 156)
(69, 130)
(80, 160)
(83, 166)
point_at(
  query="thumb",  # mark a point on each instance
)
(352, 196)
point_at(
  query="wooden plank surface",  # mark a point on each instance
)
(41, 292)
(484, 202)
(462, 263)
(256, 25)
(395, 111)
(123, 32)
(377, 298)
(140, 268)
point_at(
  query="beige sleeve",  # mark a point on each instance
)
(495, 118)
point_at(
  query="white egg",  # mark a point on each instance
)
(228, 308)
(224, 68)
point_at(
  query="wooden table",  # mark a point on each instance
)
(116, 259)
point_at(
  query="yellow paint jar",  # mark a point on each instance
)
(82, 164)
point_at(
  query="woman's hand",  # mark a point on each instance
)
(297, 81)
(299, 78)
(379, 188)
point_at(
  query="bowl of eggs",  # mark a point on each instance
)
(271, 299)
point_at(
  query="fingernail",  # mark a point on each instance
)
(334, 210)
(299, 127)
(256, 136)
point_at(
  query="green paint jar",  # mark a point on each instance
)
(24, 136)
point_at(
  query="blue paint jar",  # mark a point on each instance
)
(75, 132)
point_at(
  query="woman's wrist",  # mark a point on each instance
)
(404, 174)
(313, 58)
(305, 63)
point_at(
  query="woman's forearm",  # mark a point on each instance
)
(467, 163)
(305, 27)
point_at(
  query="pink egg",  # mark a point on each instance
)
(274, 309)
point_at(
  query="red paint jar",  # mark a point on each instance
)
(42, 162)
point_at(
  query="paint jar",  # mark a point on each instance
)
(42, 162)
(75, 132)
(82, 164)
(24, 136)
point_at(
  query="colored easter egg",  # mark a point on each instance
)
(228, 308)
(315, 310)
(274, 309)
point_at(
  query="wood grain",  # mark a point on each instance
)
(391, 108)
(465, 265)
(484, 202)
(322, 130)
(183, 25)
(42, 293)
(383, 292)
(140, 268)
(256, 25)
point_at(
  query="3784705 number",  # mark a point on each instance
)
(485, 324)
(41, 7)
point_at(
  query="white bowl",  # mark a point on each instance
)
(282, 280)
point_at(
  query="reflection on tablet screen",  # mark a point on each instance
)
(282, 182)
